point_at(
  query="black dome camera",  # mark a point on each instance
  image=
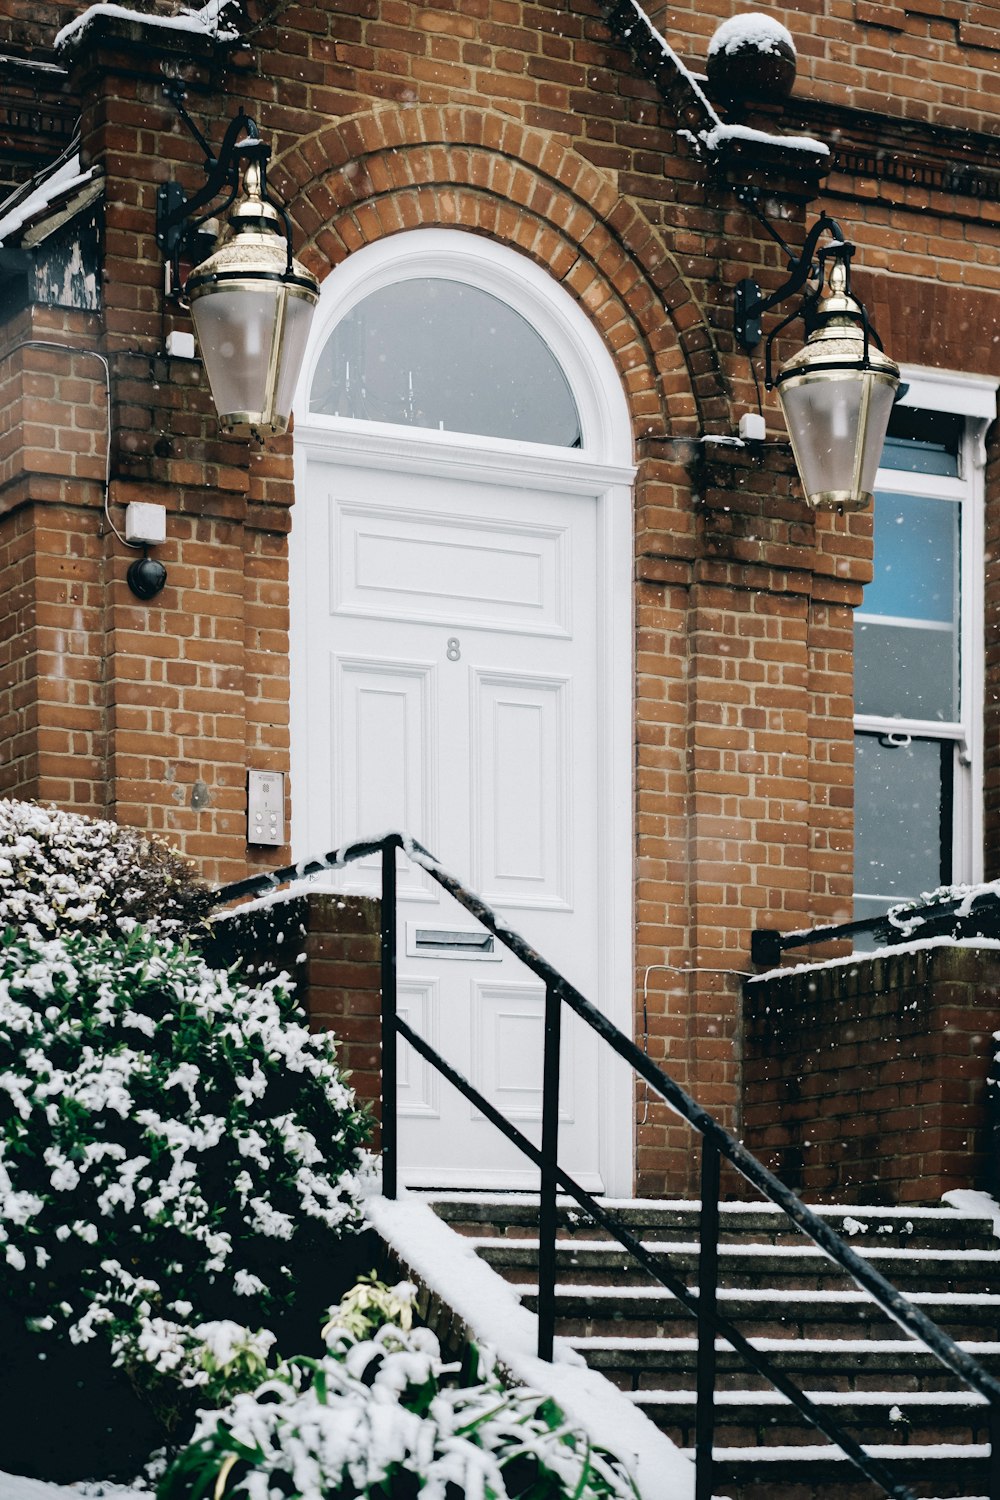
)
(146, 577)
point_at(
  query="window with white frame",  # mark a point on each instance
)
(918, 650)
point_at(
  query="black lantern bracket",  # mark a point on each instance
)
(179, 219)
(809, 265)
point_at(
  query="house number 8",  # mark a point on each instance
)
(454, 648)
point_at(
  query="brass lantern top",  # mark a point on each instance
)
(252, 246)
(838, 337)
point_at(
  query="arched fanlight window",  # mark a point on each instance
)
(436, 353)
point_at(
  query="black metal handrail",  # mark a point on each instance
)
(717, 1143)
(902, 923)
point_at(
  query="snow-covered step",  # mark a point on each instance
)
(820, 1470)
(800, 1266)
(865, 1364)
(778, 1312)
(513, 1215)
(793, 1304)
(748, 1418)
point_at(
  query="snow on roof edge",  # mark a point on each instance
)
(491, 1310)
(55, 184)
(720, 132)
(676, 60)
(205, 20)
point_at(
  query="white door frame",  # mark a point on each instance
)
(602, 467)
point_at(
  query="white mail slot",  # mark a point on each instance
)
(450, 942)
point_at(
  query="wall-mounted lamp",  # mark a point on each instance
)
(251, 300)
(837, 392)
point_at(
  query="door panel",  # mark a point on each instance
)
(522, 853)
(452, 694)
(436, 566)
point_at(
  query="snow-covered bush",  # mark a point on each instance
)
(61, 871)
(176, 1150)
(380, 1416)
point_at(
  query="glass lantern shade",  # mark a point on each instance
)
(251, 305)
(252, 334)
(837, 421)
(836, 394)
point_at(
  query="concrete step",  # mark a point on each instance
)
(752, 1418)
(764, 1312)
(513, 1215)
(799, 1267)
(795, 1305)
(820, 1472)
(845, 1365)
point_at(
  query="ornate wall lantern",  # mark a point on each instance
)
(251, 301)
(836, 392)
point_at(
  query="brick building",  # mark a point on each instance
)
(512, 581)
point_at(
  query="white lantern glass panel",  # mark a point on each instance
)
(235, 328)
(298, 320)
(823, 413)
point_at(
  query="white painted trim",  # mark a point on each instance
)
(950, 391)
(457, 255)
(414, 451)
(975, 398)
(603, 468)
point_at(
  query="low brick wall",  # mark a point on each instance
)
(330, 945)
(866, 1082)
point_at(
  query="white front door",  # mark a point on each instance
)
(451, 692)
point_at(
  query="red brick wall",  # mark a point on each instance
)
(935, 60)
(865, 1082)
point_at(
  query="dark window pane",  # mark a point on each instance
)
(445, 355)
(922, 442)
(911, 669)
(903, 803)
(901, 671)
(916, 558)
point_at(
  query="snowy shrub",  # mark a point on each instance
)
(176, 1149)
(378, 1417)
(60, 871)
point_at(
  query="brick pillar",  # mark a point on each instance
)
(53, 552)
(330, 946)
(195, 681)
(866, 1081)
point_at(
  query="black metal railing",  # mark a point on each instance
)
(717, 1145)
(973, 914)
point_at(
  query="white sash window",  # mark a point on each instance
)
(918, 656)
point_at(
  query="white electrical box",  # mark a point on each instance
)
(180, 345)
(753, 428)
(145, 523)
(265, 807)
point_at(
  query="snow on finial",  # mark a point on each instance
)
(751, 56)
(753, 30)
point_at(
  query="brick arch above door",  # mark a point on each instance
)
(388, 170)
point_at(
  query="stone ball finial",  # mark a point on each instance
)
(751, 56)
